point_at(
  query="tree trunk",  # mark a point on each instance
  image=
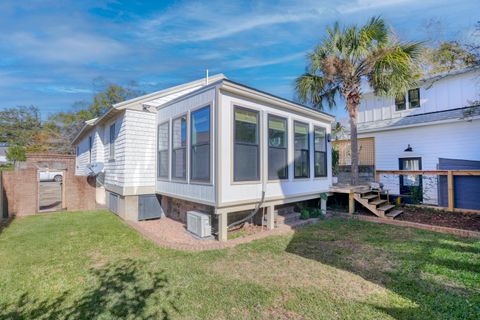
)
(352, 110)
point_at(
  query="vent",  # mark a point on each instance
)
(199, 224)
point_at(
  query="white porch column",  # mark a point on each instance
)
(323, 206)
(270, 218)
(222, 226)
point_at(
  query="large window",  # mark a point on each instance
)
(400, 102)
(112, 141)
(179, 148)
(277, 148)
(320, 152)
(302, 150)
(246, 150)
(200, 144)
(162, 157)
(414, 98)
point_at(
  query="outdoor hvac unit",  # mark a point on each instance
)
(199, 224)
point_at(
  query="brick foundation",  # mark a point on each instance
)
(177, 209)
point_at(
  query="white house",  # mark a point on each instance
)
(212, 145)
(436, 121)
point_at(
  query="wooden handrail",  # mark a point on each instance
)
(431, 172)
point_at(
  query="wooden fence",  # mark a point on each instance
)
(450, 176)
(366, 151)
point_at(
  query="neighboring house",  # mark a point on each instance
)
(211, 145)
(3, 152)
(433, 126)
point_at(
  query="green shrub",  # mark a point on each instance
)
(304, 214)
(315, 213)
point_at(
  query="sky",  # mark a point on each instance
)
(54, 53)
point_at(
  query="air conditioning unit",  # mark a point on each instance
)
(199, 224)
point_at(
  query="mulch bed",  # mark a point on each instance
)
(466, 221)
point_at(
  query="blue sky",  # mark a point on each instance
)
(51, 52)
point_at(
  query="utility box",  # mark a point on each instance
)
(199, 224)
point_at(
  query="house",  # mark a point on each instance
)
(433, 126)
(211, 145)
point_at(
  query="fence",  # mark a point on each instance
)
(430, 185)
(366, 152)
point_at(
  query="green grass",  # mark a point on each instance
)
(90, 265)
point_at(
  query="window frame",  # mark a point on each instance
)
(308, 150)
(183, 179)
(258, 145)
(286, 148)
(191, 145)
(410, 98)
(404, 103)
(159, 177)
(111, 141)
(325, 153)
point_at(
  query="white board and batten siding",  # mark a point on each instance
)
(456, 91)
(202, 192)
(232, 192)
(456, 140)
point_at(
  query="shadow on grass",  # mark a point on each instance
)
(121, 290)
(441, 285)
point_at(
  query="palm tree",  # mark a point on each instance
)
(348, 57)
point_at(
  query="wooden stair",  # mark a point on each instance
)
(374, 203)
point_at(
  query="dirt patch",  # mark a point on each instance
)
(466, 221)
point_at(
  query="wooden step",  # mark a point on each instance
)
(394, 213)
(378, 202)
(370, 196)
(386, 207)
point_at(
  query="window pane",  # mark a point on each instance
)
(201, 126)
(400, 103)
(163, 136)
(301, 136)
(277, 132)
(201, 162)
(301, 164)
(320, 139)
(277, 163)
(320, 159)
(163, 163)
(246, 162)
(112, 141)
(180, 132)
(179, 157)
(246, 126)
(414, 98)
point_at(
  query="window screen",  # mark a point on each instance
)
(246, 146)
(200, 149)
(302, 150)
(112, 141)
(162, 156)
(179, 148)
(400, 102)
(320, 152)
(277, 148)
(414, 98)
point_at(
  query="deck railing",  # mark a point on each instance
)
(450, 181)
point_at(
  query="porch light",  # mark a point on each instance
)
(409, 149)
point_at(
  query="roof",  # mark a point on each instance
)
(464, 113)
(290, 102)
(138, 102)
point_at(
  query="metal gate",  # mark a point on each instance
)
(113, 202)
(150, 207)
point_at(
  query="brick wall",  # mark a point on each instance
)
(177, 208)
(21, 185)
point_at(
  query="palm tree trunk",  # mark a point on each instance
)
(352, 110)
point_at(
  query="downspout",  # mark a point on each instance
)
(263, 170)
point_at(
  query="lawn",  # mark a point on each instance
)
(91, 265)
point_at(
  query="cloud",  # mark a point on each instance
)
(248, 62)
(70, 46)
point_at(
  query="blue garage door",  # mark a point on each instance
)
(467, 188)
